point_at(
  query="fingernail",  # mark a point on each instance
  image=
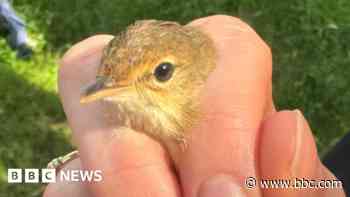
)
(295, 167)
(221, 186)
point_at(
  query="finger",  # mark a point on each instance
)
(132, 164)
(287, 135)
(234, 102)
(66, 188)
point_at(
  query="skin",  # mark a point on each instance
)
(239, 136)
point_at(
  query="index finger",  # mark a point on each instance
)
(236, 98)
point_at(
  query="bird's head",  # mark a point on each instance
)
(153, 73)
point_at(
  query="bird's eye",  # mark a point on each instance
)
(164, 71)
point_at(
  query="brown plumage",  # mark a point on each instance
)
(153, 73)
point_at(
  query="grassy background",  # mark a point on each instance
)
(310, 41)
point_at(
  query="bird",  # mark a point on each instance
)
(152, 75)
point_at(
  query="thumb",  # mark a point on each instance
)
(288, 153)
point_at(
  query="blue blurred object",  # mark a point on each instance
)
(338, 161)
(15, 28)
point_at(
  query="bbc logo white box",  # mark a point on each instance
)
(31, 175)
(48, 175)
(14, 175)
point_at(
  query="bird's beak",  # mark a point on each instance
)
(102, 88)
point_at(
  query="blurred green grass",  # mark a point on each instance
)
(310, 42)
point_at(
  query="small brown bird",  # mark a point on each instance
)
(153, 73)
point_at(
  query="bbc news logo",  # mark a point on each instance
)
(49, 175)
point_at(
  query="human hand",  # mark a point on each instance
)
(240, 135)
